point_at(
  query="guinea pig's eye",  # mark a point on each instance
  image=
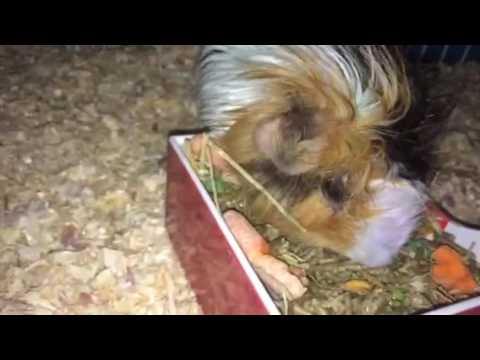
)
(336, 191)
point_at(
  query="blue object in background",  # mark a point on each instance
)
(450, 54)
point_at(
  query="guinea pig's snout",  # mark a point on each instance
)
(385, 234)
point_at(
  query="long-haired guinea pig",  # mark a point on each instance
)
(327, 130)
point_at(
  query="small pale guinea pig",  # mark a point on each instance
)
(327, 130)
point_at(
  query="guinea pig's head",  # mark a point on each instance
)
(315, 112)
(308, 134)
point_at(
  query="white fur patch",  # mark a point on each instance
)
(222, 86)
(384, 235)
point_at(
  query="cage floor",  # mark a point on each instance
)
(82, 181)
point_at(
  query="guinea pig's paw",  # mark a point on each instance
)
(384, 235)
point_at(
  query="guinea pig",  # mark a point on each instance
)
(323, 129)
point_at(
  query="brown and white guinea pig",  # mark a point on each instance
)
(322, 128)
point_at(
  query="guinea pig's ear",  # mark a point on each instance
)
(268, 137)
(296, 125)
(291, 141)
(301, 123)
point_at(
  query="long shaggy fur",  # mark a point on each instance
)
(313, 124)
(230, 78)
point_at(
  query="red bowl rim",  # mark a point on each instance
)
(176, 143)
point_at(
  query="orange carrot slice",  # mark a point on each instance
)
(251, 242)
(275, 274)
(450, 271)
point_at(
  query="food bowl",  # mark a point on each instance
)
(219, 272)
